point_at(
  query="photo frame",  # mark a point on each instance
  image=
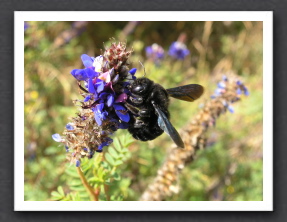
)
(266, 204)
(7, 160)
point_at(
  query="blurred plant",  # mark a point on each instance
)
(66, 36)
(155, 53)
(178, 49)
(166, 181)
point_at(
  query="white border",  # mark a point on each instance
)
(265, 205)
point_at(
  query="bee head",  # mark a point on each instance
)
(140, 86)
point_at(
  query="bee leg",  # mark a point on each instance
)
(144, 113)
(134, 110)
(139, 123)
(136, 100)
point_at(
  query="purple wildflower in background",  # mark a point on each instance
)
(178, 50)
(222, 89)
(154, 52)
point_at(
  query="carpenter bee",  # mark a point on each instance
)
(149, 102)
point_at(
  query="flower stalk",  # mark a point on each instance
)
(94, 195)
(193, 135)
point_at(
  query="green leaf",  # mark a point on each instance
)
(110, 159)
(105, 165)
(117, 144)
(113, 152)
(125, 150)
(61, 191)
(56, 196)
(118, 162)
(116, 176)
(128, 140)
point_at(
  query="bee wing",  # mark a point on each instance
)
(187, 93)
(167, 127)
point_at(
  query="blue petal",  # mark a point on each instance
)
(221, 85)
(100, 86)
(105, 143)
(133, 71)
(78, 163)
(91, 73)
(87, 98)
(98, 118)
(231, 109)
(122, 113)
(148, 50)
(246, 92)
(91, 87)
(87, 60)
(103, 95)
(100, 107)
(115, 79)
(238, 91)
(69, 127)
(79, 74)
(110, 100)
(224, 78)
(98, 111)
(238, 82)
(57, 137)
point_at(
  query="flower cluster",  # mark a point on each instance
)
(154, 52)
(103, 82)
(178, 50)
(222, 88)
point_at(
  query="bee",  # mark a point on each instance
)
(149, 102)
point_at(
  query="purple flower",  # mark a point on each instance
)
(133, 71)
(107, 142)
(122, 112)
(78, 163)
(87, 60)
(84, 74)
(87, 98)
(57, 137)
(238, 91)
(221, 85)
(178, 50)
(154, 52)
(230, 108)
(100, 113)
(121, 98)
(246, 92)
(69, 127)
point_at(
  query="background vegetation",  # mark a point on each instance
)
(230, 168)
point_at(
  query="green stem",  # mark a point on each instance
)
(93, 195)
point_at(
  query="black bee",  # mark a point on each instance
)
(149, 102)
